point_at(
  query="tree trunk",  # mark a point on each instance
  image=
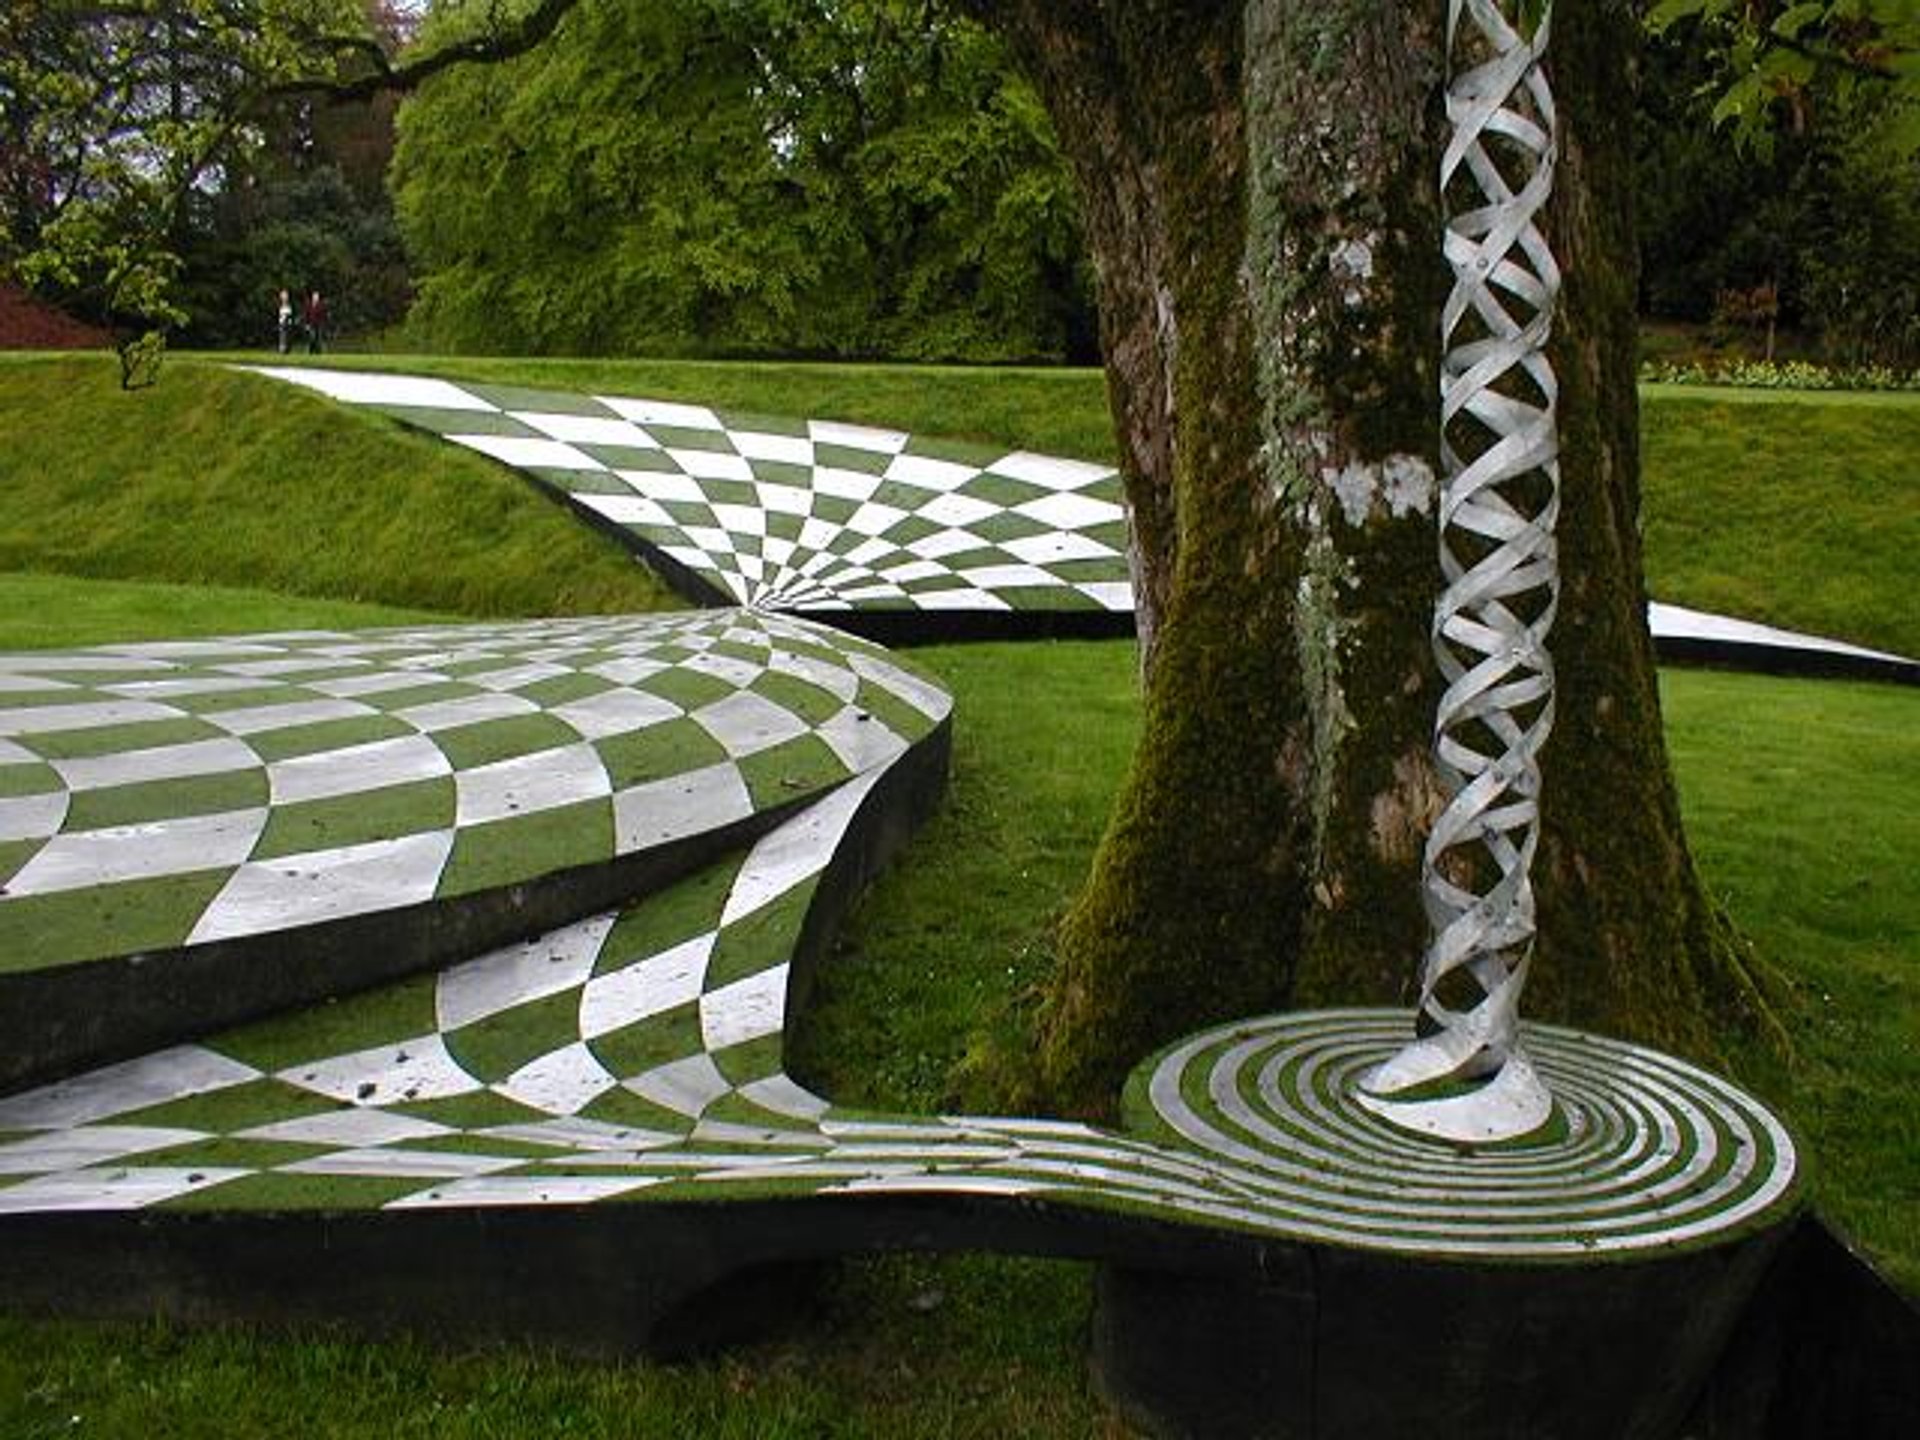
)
(1261, 197)
(1199, 889)
(1629, 942)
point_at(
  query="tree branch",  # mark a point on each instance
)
(494, 42)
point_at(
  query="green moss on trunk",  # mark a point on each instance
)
(1345, 122)
(1196, 895)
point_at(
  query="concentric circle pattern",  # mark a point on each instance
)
(1644, 1151)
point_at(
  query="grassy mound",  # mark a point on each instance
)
(1795, 508)
(42, 612)
(1792, 508)
(1801, 510)
(1055, 411)
(216, 477)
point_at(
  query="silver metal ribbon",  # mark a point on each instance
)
(1464, 1076)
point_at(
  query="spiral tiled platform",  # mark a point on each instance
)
(1644, 1150)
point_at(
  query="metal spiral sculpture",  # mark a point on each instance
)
(1464, 1076)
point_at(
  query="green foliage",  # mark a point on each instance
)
(112, 117)
(1782, 60)
(1790, 375)
(304, 209)
(1796, 796)
(1819, 205)
(1862, 278)
(742, 175)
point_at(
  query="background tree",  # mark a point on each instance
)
(1780, 150)
(116, 114)
(1712, 219)
(792, 175)
(302, 204)
(1780, 62)
(113, 115)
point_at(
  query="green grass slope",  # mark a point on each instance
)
(1799, 802)
(40, 612)
(218, 477)
(1797, 508)
(1055, 411)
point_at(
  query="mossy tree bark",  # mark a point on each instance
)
(1260, 193)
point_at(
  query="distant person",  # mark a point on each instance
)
(283, 322)
(316, 323)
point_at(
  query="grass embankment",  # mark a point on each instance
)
(214, 477)
(1061, 412)
(1794, 508)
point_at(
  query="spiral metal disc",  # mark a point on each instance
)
(1643, 1150)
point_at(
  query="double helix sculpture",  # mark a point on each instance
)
(1465, 1077)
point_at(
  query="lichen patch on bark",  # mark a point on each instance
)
(1352, 264)
(1400, 485)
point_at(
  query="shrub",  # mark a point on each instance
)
(1790, 375)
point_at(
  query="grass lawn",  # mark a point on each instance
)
(43, 611)
(1799, 798)
(1055, 411)
(978, 1349)
(1791, 508)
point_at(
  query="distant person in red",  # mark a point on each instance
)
(316, 318)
